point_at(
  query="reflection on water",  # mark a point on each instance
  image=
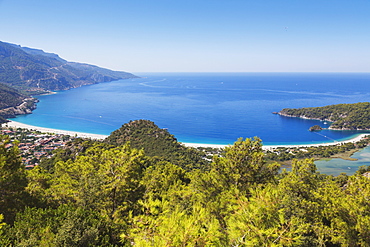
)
(337, 166)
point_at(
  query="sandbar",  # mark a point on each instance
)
(270, 147)
(203, 145)
(54, 131)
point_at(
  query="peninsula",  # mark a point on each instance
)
(343, 116)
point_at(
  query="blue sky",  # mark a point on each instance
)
(196, 35)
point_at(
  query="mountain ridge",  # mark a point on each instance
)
(34, 71)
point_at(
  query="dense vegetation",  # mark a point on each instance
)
(344, 116)
(159, 143)
(99, 194)
(315, 128)
(9, 96)
(35, 71)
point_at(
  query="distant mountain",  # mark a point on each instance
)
(39, 52)
(35, 71)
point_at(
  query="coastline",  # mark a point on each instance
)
(270, 147)
(203, 145)
(15, 124)
(55, 131)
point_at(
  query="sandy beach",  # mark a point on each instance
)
(55, 131)
(269, 147)
(194, 145)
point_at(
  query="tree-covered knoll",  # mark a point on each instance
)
(95, 194)
(344, 116)
(157, 142)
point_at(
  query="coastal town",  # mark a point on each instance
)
(34, 145)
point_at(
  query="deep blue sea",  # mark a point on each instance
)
(215, 108)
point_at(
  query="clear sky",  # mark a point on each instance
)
(196, 35)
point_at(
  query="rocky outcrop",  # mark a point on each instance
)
(26, 107)
(315, 128)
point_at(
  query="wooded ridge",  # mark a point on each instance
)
(343, 116)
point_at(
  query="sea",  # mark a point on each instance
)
(208, 108)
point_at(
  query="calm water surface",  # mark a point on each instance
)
(212, 108)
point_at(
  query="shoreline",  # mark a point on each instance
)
(15, 124)
(270, 147)
(353, 140)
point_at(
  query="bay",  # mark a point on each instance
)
(213, 108)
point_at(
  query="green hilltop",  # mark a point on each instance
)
(157, 142)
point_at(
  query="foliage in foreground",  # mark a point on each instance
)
(117, 196)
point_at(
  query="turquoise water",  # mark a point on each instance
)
(337, 166)
(212, 108)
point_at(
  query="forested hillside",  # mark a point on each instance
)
(98, 194)
(159, 143)
(344, 116)
(10, 98)
(35, 71)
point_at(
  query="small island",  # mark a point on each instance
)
(343, 116)
(315, 128)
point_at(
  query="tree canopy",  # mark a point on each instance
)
(97, 194)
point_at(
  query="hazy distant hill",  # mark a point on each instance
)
(33, 70)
